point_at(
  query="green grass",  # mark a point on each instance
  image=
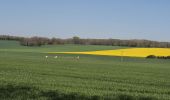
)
(25, 73)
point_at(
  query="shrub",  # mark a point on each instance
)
(159, 57)
(151, 56)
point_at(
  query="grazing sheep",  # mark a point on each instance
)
(46, 56)
(56, 57)
(77, 57)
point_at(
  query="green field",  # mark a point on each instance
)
(25, 73)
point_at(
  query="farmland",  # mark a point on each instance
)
(26, 73)
(129, 52)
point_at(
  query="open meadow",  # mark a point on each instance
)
(25, 73)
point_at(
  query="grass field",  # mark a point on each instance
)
(25, 73)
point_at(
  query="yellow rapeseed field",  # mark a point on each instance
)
(130, 52)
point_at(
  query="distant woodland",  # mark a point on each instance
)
(39, 41)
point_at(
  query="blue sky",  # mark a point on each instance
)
(123, 19)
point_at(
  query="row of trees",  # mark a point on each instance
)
(118, 42)
(34, 41)
(38, 41)
(158, 57)
(7, 37)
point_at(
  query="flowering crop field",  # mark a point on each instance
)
(26, 74)
(132, 52)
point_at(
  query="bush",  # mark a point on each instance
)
(159, 57)
(168, 57)
(151, 56)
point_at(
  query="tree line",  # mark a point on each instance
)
(39, 41)
(158, 57)
(7, 37)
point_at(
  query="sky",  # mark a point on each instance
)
(120, 19)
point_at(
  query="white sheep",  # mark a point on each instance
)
(78, 57)
(56, 57)
(46, 56)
